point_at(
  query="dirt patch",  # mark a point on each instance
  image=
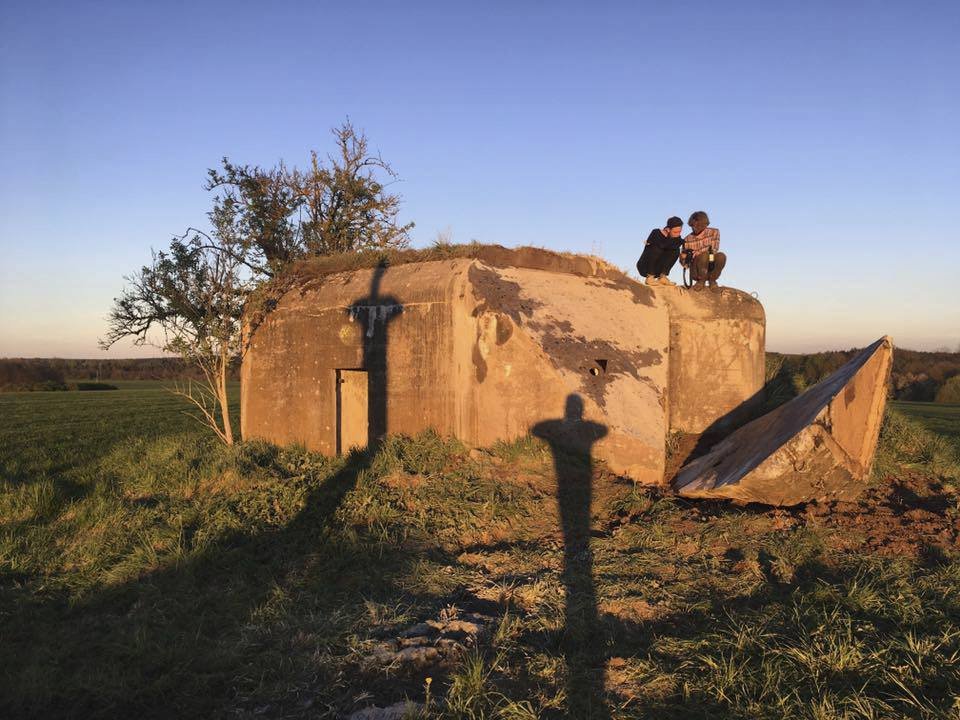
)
(630, 609)
(912, 515)
(402, 481)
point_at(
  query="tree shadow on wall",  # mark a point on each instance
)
(374, 313)
(571, 440)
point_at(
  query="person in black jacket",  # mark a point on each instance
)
(660, 253)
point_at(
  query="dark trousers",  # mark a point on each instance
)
(701, 266)
(656, 261)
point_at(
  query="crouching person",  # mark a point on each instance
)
(660, 253)
(701, 252)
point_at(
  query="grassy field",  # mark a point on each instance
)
(147, 571)
(940, 418)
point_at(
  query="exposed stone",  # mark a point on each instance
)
(418, 655)
(429, 642)
(420, 629)
(819, 445)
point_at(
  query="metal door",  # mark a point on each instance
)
(353, 425)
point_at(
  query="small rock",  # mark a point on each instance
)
(418, 655)
(420, 629)
(384, 653)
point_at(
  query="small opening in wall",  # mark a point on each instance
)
(599, 368)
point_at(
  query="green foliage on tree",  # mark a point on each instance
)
(950, 391)
(190, 298)
(335, 206)
(192, 295)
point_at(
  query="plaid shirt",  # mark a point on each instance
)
(708, 239)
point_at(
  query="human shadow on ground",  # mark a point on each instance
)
(571, 440)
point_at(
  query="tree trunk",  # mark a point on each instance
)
(224, 404)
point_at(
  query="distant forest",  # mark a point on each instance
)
(56, 373)
(924, 376)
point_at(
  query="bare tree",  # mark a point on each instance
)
(190, 298)
(189, 301)
(345, 204)
(339, 205)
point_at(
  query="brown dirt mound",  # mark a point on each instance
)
(909, 515)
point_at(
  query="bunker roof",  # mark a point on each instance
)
(310, 269)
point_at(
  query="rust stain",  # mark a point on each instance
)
(850, 394)
(479, 364)
(504, 329)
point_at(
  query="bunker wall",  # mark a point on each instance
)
(717, 359)
(489, 352)
(538, 337)
(395, 326)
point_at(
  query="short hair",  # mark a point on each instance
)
(674, 221)
(699, 215)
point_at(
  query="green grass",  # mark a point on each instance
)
(940, 418)
(147, 571)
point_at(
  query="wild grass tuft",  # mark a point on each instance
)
(905, 442)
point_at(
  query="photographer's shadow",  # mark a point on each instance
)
(571, 440)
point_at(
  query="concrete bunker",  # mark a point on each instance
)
(486, 347)
(491, 343)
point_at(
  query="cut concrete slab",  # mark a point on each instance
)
(820, 444)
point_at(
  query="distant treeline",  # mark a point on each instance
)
(23, 373)
(30, 375)
(924, 376)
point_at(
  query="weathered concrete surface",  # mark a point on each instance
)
(604, 341)
(818, 445)
(717, 358)
(397, 326)
(487, 347)
(479, 352)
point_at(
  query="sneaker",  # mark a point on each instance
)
(664, 280)
(651, 280)
(698, 285)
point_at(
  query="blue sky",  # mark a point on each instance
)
(821, 138)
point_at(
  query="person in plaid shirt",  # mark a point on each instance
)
(697, 247)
